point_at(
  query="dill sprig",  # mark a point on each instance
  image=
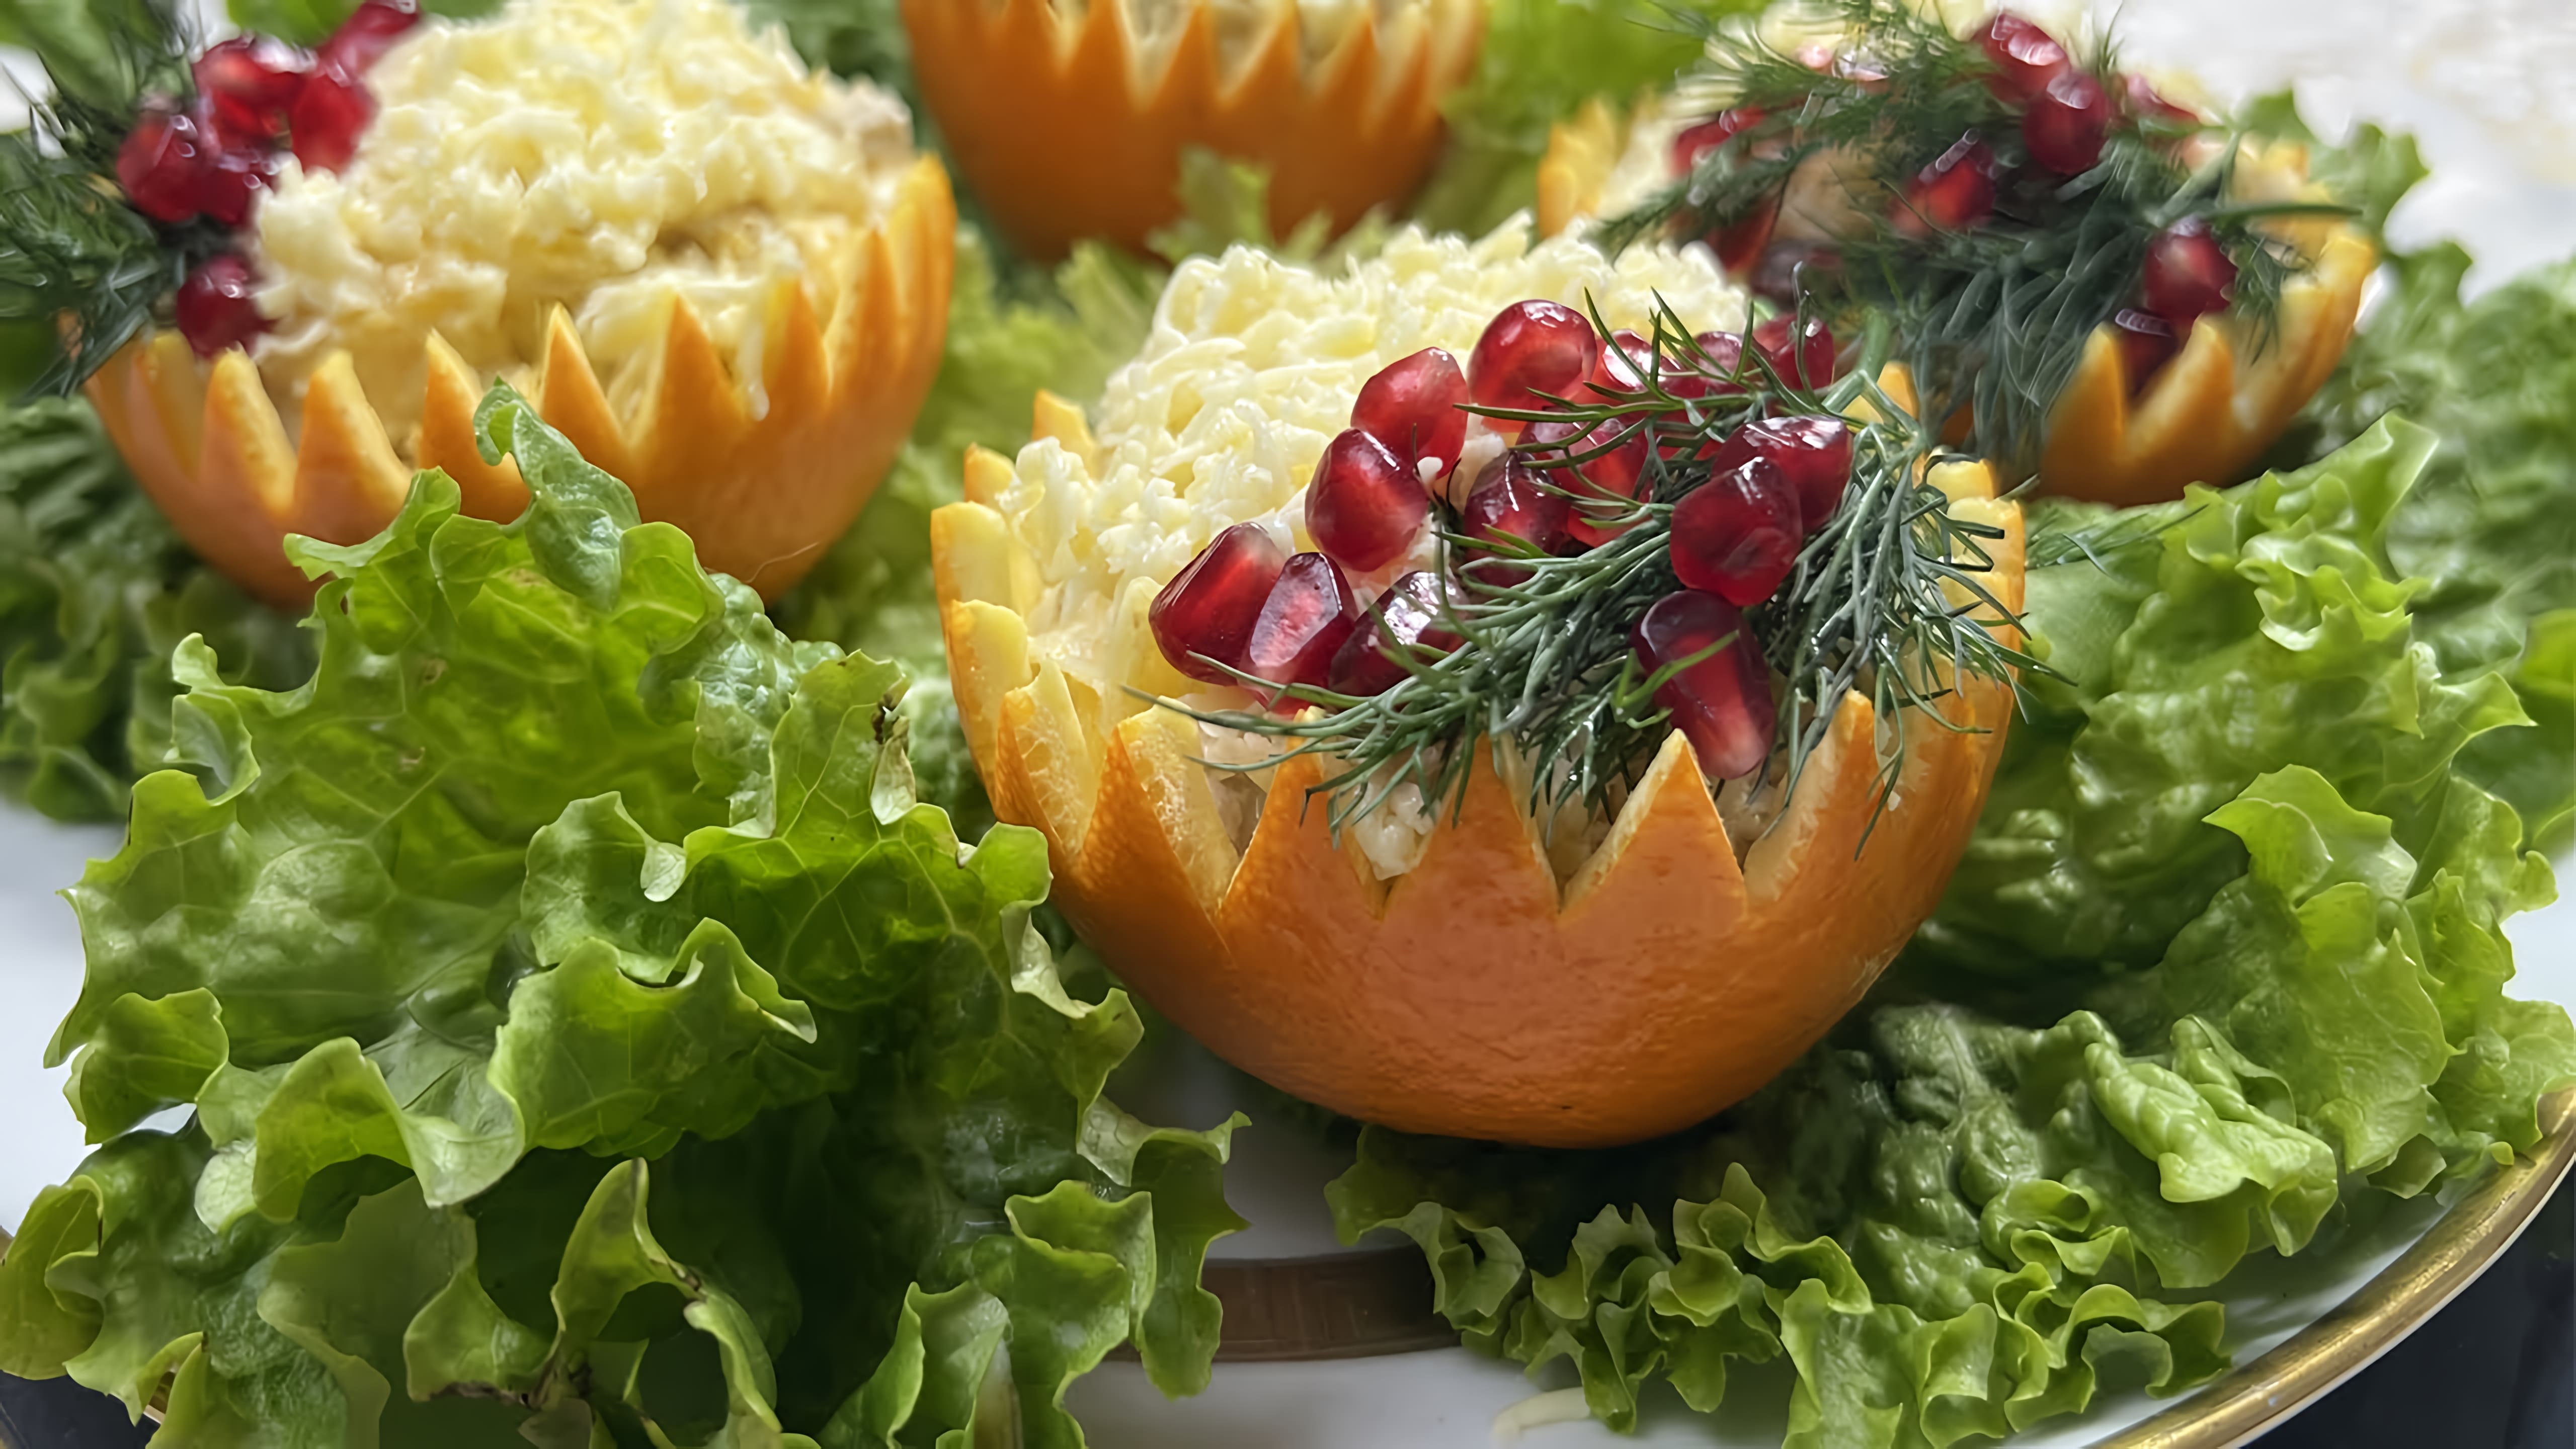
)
(73, 253)
(1547, 664)
(1994, 318)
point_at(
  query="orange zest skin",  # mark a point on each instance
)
(2205, 417)
(1050, 121)
(762, 496)
(1471, 996)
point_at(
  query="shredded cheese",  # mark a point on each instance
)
(610, 157)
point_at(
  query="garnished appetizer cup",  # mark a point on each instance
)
(2124, 295)
(723, 277)
(1069, 119)
(1493, 691)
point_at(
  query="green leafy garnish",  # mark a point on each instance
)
(584, 1022)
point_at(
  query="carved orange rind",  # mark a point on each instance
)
(1051, 119)
(2205, 417)
(763, 495)
(1472, 996)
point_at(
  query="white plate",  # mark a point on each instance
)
(2484, 85)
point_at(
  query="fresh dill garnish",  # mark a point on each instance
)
(73, 253)
(1890, 594)
(1992, 317)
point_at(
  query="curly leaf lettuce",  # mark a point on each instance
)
(587, 1031)
(1957, 1222)
(95, 592)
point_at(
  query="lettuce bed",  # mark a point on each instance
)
(2224, 952)
(587, 1031)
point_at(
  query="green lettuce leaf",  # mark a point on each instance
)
(309, 22)
(1542, 59)
(1957, 1221)
(585, 1025)
(95, 593)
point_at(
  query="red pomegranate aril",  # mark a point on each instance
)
(1406, 618)
(1739, 244)
(1813, 453)
(1530, 352)
(1954, 193)
(1722, 370)
(1697, 141)
(1737, 535)
(1809, 362)
(250, 82)
(1413, 405)
(1721, 704)
(1626, 359)
(163, 162)
(367, 34)
(2146, 341)
(2148, 106)
(2025, 58)
(1209, 608)
(2066, 123)
(1302, 625)
(1509, 508)
(229, 182)
(1614, 478)
(330, 112)
(214, 306)
(2187, 273)
(1364, 507)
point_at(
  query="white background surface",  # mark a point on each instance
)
(2490, 89)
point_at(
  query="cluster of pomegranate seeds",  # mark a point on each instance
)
(1813, 453)
(1721, 704)
(1954, 193)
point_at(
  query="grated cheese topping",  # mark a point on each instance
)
(605, 156)
(1249, 370)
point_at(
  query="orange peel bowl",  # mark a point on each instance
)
(1052, 120)
(763, 495)
(1474, 995)
(2205, 417)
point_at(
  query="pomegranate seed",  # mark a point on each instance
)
(1407, 621)
(330, 111)
(1955, 193)
(1737, 534)
(1530, 352)
(2148, 106)
(1813, 453)
(1697, 141)
(251, 82)
(1739, 244)
(1301, 626)
(2187, 273)
(1810, 364)
(1720, 373)
(1722, 704)
(214, 306)
(1626, 359)
(1209, 609)
(2146, 342)
(1780, 273)
(2065, 124)
(1614, 478)
(1413, 407)
(230, 180)
(367, 34)
(2026, 58)
(163, 162)
(1364, 506)
(1510, 509)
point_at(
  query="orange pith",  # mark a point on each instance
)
(1472, 996)
(2205, 417)
(762, 496)
(1062, 137)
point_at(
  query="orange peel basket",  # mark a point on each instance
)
(1052, 120)
(763, 496)
(1474, 995)
(2206, 417)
